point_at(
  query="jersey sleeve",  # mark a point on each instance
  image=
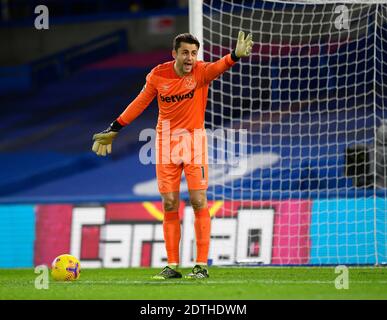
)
(210, 71)
(140, 103)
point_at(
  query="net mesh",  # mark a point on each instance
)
(296, 137)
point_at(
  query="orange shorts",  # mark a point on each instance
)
(182, 151)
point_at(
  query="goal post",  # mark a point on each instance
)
(310, 102)
(195, 16)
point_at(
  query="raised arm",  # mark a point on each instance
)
(243, 49)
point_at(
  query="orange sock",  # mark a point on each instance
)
(203, 233)
(171, 227)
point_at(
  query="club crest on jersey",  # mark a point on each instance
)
(189, 82)
(164, 88)
(177, 97)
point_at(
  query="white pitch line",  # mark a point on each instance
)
(204, 282)
(190, 282)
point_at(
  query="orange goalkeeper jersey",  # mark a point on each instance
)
(181, 100)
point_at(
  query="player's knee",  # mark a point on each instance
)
(198, 201)
(170, 203)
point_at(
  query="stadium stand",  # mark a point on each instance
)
(24, 9)
(43, 162)
(44, 147)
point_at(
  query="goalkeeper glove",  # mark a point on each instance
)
(244, 45)
(103, 140)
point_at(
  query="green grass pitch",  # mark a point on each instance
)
(234, 283)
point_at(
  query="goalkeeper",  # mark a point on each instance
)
(181, 88)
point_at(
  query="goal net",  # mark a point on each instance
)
(297, 139)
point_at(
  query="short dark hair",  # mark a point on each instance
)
(185, 37)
